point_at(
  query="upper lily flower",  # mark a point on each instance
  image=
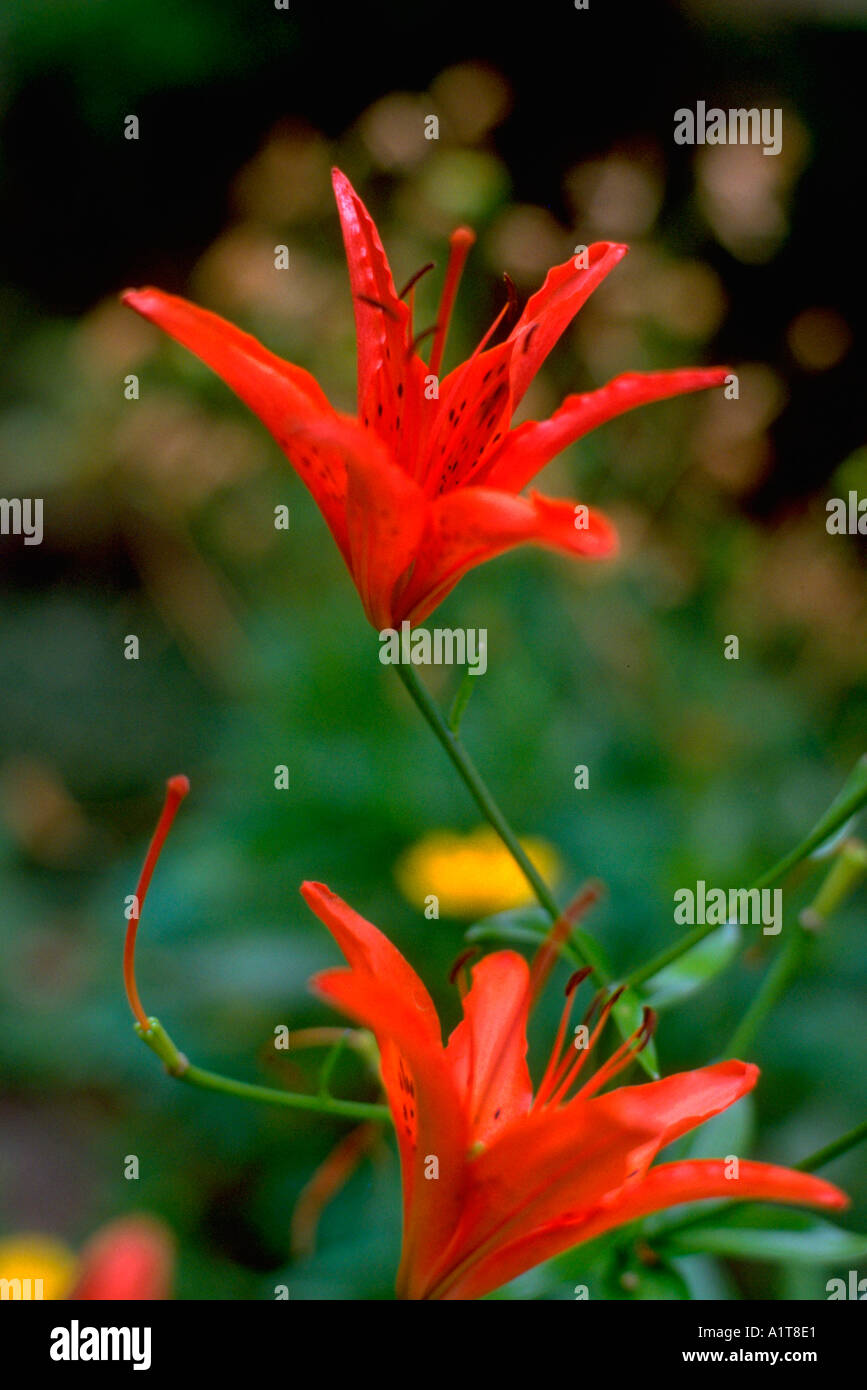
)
(495, 1178)
(425, 483)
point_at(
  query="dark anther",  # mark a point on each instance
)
(649, 1021)
(414, 279)
(594, 1005)
(512, 311)
(420, 337)
(377, 304)
(577, 978)
(614, 996)
(461, 961)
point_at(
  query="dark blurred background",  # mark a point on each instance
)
(555, 128)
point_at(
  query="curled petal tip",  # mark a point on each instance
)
(616, 249)
(835, 1200)
(142, 299)
(313, 892)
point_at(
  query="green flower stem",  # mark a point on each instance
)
(847, 869)
(851, 799)
(177, 1065)
(471, 778)
(330, 1063)
(786, 966)
(822, 1157)
(845, 805)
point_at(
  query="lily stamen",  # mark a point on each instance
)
(560, 1036)
(569, 1067)
(419, 338)
(543, 963)
(460, 241)
(512, 303)
(176, 790)
(624, 1055)
(544, 960)
(414, 279)
(378, 304)
(458, 975)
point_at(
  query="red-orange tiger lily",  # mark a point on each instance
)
(426, 482)
(496, 1176)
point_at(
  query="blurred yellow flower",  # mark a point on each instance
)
(36, 1257)
(470, 875)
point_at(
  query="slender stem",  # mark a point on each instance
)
(177, 1065)
(476, 787)
(850, 800)
(330, 1063)
(487, 805)
(845, 805)
(671, 953)
(777, 980)
(330, 1105)
(847, 869)
(824, 1156)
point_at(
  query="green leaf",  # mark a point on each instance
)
(518, 925)
(753, 1234)
(629, 1011)
(695, 968)
(532, 924)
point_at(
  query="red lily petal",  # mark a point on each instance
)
(369, 951)
(388, 373)
(667, 1185)
(469, 526)
(383, 992)
(631, 1125)
(386, 514)
(129, 1259)
(679, 1103)
(400, 415)
(475, 408)
(548, 313)
(429, 1119)
(488, 1049)
(553, 1160)
(284, 397)
(532, 445)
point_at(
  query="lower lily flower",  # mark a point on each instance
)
(427, 480)
(131, 1258)
(495, 1177)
